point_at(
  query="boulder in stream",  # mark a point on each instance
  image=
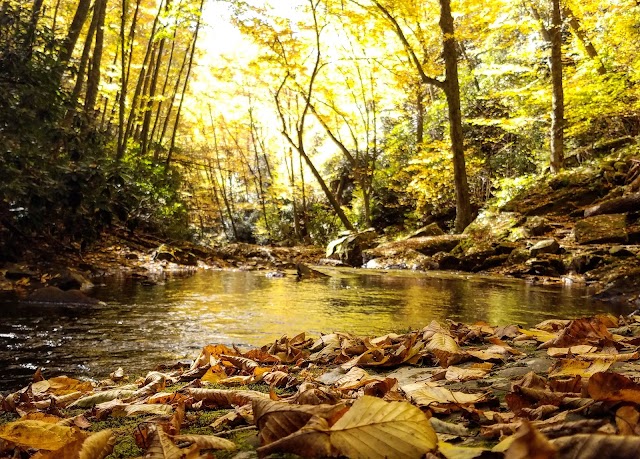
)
(55, 295)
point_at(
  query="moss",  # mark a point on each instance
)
(8, 417)
(199, 422)
(125, 447)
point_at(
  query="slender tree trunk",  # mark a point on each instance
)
(79, 18)
(557, 109)
(122, 99)
(93, 82)
(82, 67)
(156, 122)
(133, 112)
(33, 26)
(584, 40)
(184, 89)
(452, 92)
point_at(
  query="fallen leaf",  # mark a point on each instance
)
(528, 443)
(597, 446)
(582, 368)
(425, 394)
(371, 429)
(276, 420)
(39, 434)
(613, 387)
(392, 429)
(207, 442)
(98, 446)
(464, 374)
(101, 397)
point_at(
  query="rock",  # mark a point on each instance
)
(58, 296)
(305, 272)
(545, 246)
(580, 264)
(70, 280)
(519, 255)
(275, 274)
(426, 245)
(537, 225)
(430, 230)
(493, 225)
(174, 255)
(447, 261)
(17, 272)
(601, 228)
(350, 246)
(620, 251)
(550, 265)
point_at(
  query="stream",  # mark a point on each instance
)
(141, 326)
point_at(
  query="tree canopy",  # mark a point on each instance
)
(267, 121)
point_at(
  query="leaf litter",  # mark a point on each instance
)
(562, 389)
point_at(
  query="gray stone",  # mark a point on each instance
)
(545, 246)
(620, 251)
(601, 228)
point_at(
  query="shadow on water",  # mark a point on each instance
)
(142, 326)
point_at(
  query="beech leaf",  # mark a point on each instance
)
(98, 446)
(373, 428)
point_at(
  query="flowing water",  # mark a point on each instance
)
(141, 326)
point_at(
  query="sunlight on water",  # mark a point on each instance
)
(142, 326)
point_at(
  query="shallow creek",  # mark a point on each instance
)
(141, 326)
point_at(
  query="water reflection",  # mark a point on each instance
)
(144, 325)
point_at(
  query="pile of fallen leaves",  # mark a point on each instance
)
(564, 389)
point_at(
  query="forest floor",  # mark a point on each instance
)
(562, 389)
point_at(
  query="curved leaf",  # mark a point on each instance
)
(373, 428)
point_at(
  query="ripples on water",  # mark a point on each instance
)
(142, 326)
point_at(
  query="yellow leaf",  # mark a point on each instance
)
(391, 429)
(450, 451)
(98, 446)
(38, 434)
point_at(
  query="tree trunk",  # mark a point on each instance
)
(557, 100)
(73, 33)
(93, 81)
(452, 92)
(167, 163)
(584, 40)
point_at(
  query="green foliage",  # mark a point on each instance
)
(57, 183)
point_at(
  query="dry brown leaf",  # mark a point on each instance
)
(613, 387)
(207, 442)
(426, 394)
(223, 398)
(573, 350)
(528, 443)
(276, 420)
(63, 385)
(445, 349)
(597, 446)
(628, 420)
(590, 331)
(210, 355)
(464, 374)
(98, 446)
(162, 447)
